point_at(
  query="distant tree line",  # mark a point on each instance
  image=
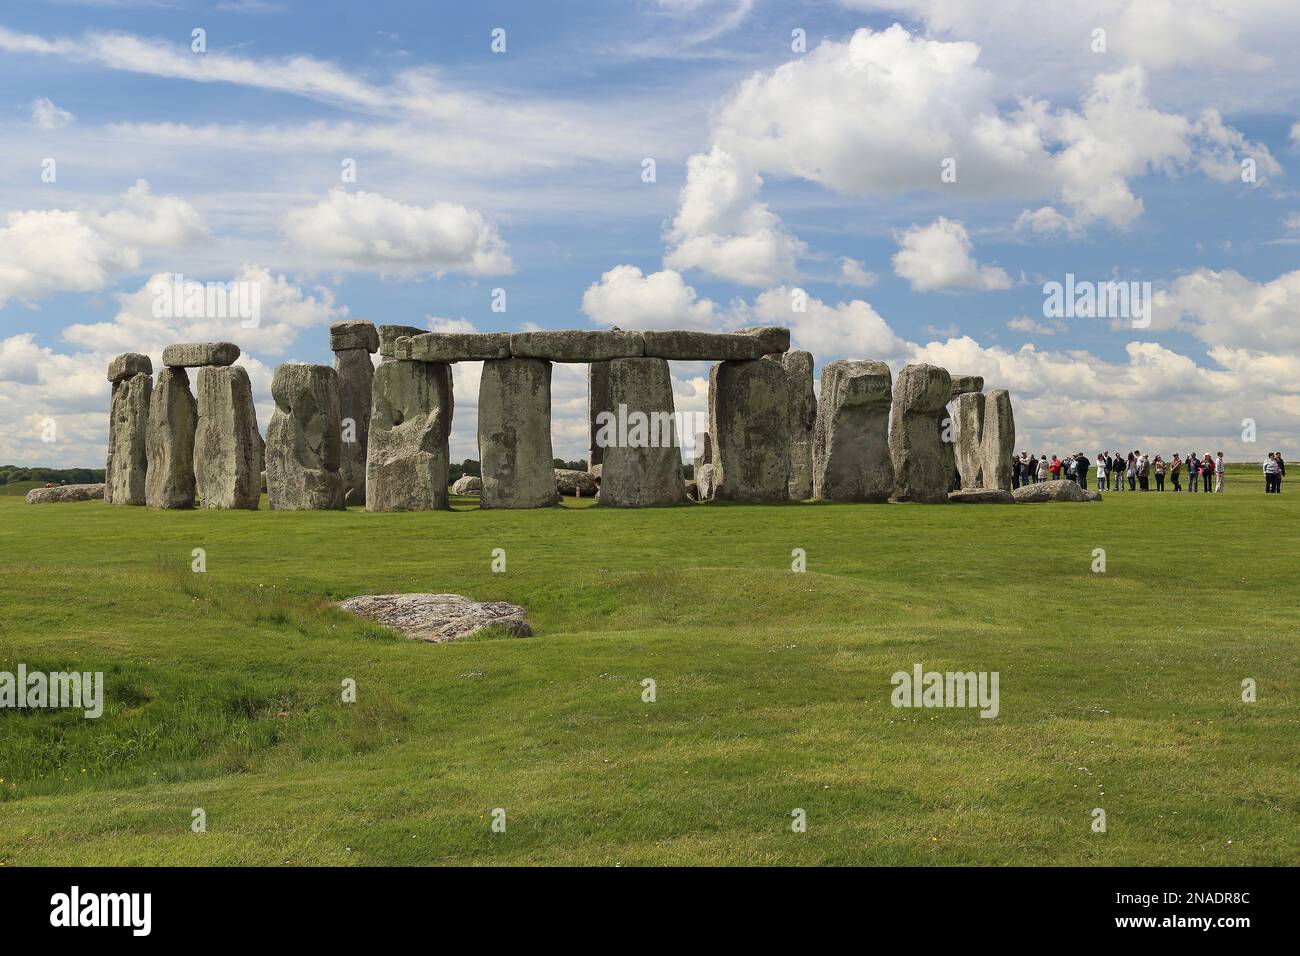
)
(10, 474)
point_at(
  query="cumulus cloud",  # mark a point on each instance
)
(662, 300)
(852, 272)
(367, 231)
(845, 330)
(1226, 309)
(940, 256)
(143, 219)
(45, 115)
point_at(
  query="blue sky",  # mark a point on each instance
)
(776, 170)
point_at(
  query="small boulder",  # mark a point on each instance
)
(1050, 491)
(438, 618)
(467, 485)
(982, 496)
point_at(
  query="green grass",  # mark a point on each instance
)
(1118, 690)
(19, 488)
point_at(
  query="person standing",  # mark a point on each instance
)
(1054, 469)
(1207, 473)
(1117, 471)
(1270, 473)
(1015, 472)
(1103, 469)
(1281, 471)
(1193, 468)
(1158, 467)
(1175, 467)
(1218, 473)
(1144, 471)
(1081, 466)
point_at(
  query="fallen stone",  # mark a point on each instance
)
(356, 375)
(353, 334)
(439, 618)
(1062, 490)
(798, 367)
(749, 419)
(576, 484)
(771, 338)
(129, 364)
(997, 440)
(127, 465)
(467, 485)
(453, 346)
(62, 493)
(169, 441)
(851, 460)
(1091, 494)
(514, 434)
(924, 463)
(388, 336)
(303, 445)
(642, 462)
(981, 496)
(703, 346)
(228, 455)
(966, 384)
(410, 424)
(577, 345)
(198, 354)
(968, 434)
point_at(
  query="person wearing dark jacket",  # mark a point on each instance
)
(1081, 465)
(1193, 469)
(1015, 472)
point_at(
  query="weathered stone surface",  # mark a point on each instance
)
(303, 445)
(198, 354)
(410, 423)
(1062, 490)
(594, 471)
(356, 374)
(968, 432)
(771, 338)
(514, 434)
(467, 485)
(453, 346)
(577, 345)
(576, 484)
(62, 493)
(128, 424)
(702, 450)
(642, 463)
(353, 334)
(705, 483)
(692, 490)
(798, 367)
(228, 449)
(1091, 494)
(749, 419)
(169, 441)
(997, 440)
(851, 459)
(923, 462)
(597, 401)
(129, 364)
(703, 346)
(438, 618)
(966, 384)
(981, 496)
(388, 336)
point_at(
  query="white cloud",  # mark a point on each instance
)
(1022, 323)
(845, 330)
(371, 232)
(940, 256)
(148, 220)
(1228, 310)
(45, 115)
(852, 272)
(661, 300)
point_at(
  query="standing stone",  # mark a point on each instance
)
(749, 419)
(803, 421)
(127, 465)
(705, 485)
(514, 434)
(410, 423)
(702, 451)
(303, 444)
(173, 417)
(923, 461)
(227, 444)
(997, 440)
(851, 460)
(597, 401)
(642, 463)
(968, 424)
(353, 343)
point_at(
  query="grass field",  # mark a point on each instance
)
(1119, 690)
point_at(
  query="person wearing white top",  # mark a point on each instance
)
(1218, 473)
(1101, 472)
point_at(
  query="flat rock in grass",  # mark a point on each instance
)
(47, 496)
(982, 496)
(199, 354)
(1062, 490)
(438, 618)
(1091, 494)
(577, 345)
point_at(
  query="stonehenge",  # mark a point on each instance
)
(642, 461)
(353, 342)
(923, 461)
(169, 442)
(357, 434)
(303, 440)
(127, 464)
(410, 422)
(851, 451)
(749, 419)
(228, 449)
(514, 434)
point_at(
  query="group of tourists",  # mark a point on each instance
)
(1134, 471)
